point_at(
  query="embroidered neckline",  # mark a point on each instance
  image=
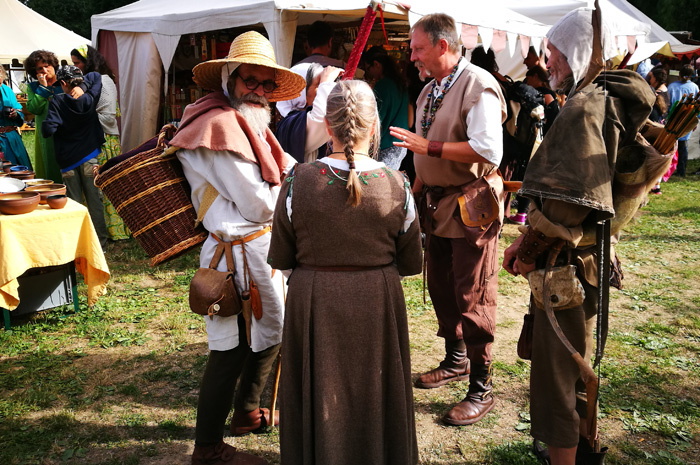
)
(334, 173)
(427, 120)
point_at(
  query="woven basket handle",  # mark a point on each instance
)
(166, 133)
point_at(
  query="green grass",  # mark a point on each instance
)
(118, 383)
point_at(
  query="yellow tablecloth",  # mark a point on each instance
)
(47, 237)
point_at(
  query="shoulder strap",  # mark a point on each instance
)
(209, 196)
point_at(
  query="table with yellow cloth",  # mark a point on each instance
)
(47, 237)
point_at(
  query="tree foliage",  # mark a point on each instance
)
(673, 15)
(74, 14)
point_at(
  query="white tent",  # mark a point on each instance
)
(147, 33)
(628, 25)
(24, 31)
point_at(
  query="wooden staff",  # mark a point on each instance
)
(276, 386)
(275, 389)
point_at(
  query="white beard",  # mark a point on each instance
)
(258, 118)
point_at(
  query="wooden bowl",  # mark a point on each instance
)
(56, 201)
(18, 203)
(45, 190)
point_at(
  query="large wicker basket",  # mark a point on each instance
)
(151, 194)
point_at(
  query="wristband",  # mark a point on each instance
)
(435, 148)
(534, 243)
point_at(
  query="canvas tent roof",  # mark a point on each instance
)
(24, 31)
(147, 34)
(280, 18)
(628, 25)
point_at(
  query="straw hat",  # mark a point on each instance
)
(254, 49)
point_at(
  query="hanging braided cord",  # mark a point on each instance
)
(360, 43)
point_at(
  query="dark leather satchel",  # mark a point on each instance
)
(213, 292)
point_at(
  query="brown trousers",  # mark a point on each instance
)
(557, 393)
(463, 285)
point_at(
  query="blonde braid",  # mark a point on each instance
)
(352, 111)
(351, 134)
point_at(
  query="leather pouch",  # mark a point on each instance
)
(213, 292)
(480, 204)
(566, 291)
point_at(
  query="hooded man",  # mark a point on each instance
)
(570, 182)
(235, 165)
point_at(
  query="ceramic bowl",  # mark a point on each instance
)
(6, 165)
(45, 190)
(19, 168)
(23, 175)
(37, 182)
(18, 203)
(56, 201)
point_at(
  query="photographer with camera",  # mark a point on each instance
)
(10, 119)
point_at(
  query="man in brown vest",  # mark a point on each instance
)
(457, 151)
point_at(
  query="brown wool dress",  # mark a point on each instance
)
(345, 389)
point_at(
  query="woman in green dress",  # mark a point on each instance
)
(41, 65)
(88, 59)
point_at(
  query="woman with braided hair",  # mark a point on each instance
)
(346, 225)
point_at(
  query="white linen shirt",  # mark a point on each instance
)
(245, 204)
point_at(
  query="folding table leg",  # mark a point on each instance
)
(6, 318)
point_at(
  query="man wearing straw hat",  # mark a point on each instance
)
(574, 188)
(235, 165)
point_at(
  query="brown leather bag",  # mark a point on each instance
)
(213, 292)
(480, 205)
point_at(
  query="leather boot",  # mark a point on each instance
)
(223, 454)
(585, 455)
(244, 423)
(479, 400)
(455, 367)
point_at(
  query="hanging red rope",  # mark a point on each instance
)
(360, 43)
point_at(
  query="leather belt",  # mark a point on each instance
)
(303, 266)
(5, 129)
(238, 240)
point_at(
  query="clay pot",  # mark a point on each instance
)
(6, 165)
(18, 202)
(56, 201)
(45, 190)
(37, 182)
